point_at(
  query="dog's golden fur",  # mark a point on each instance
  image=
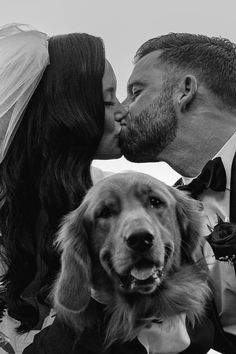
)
(134, 243)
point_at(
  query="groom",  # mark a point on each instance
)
(182, 110)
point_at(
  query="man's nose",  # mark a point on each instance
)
(122, 112)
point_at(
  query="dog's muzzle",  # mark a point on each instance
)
(142, 276)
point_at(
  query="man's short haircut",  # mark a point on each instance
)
(213, 60)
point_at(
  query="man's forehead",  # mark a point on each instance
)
(143, 68)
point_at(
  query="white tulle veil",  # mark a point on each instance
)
(23, 59)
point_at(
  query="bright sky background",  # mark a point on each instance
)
(124, 25)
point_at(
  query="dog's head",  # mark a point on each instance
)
(129, 234)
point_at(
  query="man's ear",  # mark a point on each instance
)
(187, 91)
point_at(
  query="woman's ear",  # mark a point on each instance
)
(73, 286)
(186, 92)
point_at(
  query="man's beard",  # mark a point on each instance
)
(146, 135)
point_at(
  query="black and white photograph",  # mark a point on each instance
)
(117, 177)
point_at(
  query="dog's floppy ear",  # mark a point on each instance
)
(72, 288)
(190, 219)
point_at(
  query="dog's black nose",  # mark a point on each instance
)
(140, 241)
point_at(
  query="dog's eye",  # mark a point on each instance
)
(105, 213)
(155, 202)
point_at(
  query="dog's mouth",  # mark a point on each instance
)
(143, 278)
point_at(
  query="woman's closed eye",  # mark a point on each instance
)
(109, 103)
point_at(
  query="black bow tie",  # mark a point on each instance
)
(212, 176)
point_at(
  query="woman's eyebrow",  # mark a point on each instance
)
(110, 89)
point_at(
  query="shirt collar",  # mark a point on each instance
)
(226, 153)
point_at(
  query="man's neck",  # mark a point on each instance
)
(199, 142)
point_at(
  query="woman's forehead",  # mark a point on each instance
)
(109, 78)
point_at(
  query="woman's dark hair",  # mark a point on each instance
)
(46, 171)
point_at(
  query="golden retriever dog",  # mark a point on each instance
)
(134, 245)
